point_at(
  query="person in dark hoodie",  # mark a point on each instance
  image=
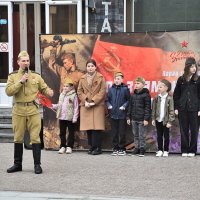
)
(139, 113)
(187, 107)
(117, 103)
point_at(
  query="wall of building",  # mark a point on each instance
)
(161, 15)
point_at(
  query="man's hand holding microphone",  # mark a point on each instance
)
(25, 76)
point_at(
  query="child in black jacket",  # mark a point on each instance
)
(117, 103)
(138, 114)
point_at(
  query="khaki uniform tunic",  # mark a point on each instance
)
(25, 113)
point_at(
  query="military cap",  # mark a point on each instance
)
(119, 74)
(23, 54)
(140, 79)
(68, 81)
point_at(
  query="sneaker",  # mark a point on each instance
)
(114, 153)
(191, 155)
(165, 154)
(135, 151)
(184, 154)
(141, 152)
(90, 150)
(121, 153)
(68, 150)
(159, 153)
(62, 150)
(97, 151)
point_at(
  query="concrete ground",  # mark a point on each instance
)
(85, 177)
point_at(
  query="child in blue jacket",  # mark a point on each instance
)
(117, 103)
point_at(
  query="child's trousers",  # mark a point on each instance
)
(64, 124)
(118, 127)
(139, 131)
(162, 131)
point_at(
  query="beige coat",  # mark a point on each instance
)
(92, 118)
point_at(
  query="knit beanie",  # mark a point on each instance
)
(140, 79)
(119, 74)
(190, 61)
(167, 83)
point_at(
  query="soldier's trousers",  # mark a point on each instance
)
(32, 123)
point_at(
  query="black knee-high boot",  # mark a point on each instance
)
(18, 153)
(37, 156)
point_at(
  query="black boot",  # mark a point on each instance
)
(97, 151)
(37, 157)
(90, 150)
(18, 152)
(136, 151)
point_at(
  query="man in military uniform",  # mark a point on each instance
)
(24, 85)
(68, 70)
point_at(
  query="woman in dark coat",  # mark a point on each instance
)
(187, 107)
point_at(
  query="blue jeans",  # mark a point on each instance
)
(139, 131)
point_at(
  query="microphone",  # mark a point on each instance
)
(26, 71)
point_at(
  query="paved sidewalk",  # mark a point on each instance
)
(53, 196)
(85, 177)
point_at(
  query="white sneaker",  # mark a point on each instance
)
(159, 153)
(114, 153)
(165, 154)
(184, 154)
(191, 154)
(68, 150)
(62, 150)
(121, 153)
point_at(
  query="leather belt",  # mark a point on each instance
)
(25, 103)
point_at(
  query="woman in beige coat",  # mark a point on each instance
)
(91, 92)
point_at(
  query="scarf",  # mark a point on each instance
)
(90, 78)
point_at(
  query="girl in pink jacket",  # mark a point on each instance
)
(67, 113)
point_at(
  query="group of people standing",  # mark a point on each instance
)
(136, 110)
(88, 97)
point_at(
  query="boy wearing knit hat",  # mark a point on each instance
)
(163, 116)
(139, 113)
(117, 103)
(67, 111)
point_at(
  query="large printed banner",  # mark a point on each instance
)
(153, 55)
